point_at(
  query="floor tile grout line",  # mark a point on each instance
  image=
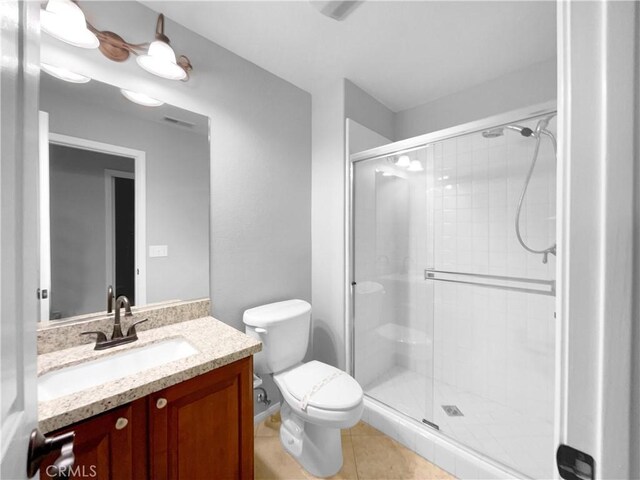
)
(355, 459)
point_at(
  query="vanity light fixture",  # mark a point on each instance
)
(403, 161)
(64, 74)
(415, 166)
(140, 98)
(64, 20)
(160, 58)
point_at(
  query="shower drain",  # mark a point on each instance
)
(452, 411)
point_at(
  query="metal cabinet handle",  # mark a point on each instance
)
(41, 446)
(161, 403)
(121, 423)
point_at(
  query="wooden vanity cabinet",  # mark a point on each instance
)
(201, 428)
(112, 445)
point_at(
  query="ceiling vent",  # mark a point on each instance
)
(177, 121)
(336, 9)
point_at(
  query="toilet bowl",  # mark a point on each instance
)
(318, 399)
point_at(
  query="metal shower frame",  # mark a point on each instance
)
(395, 148)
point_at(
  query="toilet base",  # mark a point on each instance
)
(318, 449)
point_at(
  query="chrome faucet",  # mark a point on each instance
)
(117, 338)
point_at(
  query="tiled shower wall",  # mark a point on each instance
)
(494, 343)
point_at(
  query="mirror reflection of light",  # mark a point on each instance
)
(403, 161)
(64, 74)
(415, 166)
(140, 98)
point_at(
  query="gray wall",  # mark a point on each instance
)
(177, 190)
(361, 138)
(78, 229)
(361, 107)
(328, 224)
(529, 86)
(331, 107)
(260, 153)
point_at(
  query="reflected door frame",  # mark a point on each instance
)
(139, 158)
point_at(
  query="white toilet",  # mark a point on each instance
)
(319, 399)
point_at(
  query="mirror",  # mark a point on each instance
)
(125, 200)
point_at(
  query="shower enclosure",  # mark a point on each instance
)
(452, 273)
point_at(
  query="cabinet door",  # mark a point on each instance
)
(110, 446)
(203, 428)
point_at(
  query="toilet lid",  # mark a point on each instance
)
(322, 386)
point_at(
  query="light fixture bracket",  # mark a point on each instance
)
(160, 30)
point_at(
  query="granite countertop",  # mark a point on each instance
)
(218, 344)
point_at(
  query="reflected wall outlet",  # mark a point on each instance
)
(158, 251)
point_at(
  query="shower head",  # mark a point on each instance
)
(524, 131)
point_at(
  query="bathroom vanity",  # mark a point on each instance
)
(188, 417)
(200, 428)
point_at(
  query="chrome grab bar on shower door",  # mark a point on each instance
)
(514, 284)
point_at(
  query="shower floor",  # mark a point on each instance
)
(487, 426)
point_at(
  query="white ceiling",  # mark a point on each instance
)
(404, 53)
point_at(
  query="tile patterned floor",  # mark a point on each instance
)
(368, 455)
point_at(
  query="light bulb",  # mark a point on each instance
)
(415, 166)
(64, 74)
(63, 19)
(161, 61)
(140, 98)
(403, 161)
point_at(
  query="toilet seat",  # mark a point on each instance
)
(322, 394)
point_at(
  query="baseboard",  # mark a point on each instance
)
(269, 411)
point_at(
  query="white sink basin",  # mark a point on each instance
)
(75, 378)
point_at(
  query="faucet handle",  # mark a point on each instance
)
(101, 337)
(131, 332)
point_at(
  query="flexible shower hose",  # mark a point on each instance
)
(552, 249)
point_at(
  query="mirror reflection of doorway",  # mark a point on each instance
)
(125, 237)
(120, 228)
(92, 229)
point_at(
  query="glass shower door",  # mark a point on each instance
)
(494, 302)
(393, 305)
(453, 315)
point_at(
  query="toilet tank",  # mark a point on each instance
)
(283, 329)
